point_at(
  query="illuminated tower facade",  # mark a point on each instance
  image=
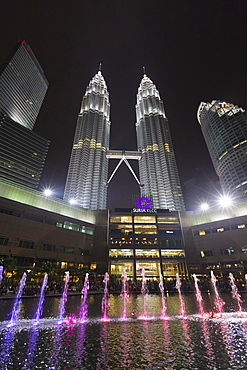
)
(157, 167)
(86, 184)
(224, 127)
(23, 86)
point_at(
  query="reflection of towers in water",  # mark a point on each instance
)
(86, 183)
(158, 170)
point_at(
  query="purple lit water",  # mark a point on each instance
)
(199, 298)
(16, 306)
(181, 300)
(218, 302)
(41, 300)
(1, 273)
(63, 299)
(105, 299)
(163, 298)
(84, 306)
(235, 294)
(124, 294)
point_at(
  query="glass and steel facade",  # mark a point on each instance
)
(147, 241)
(224, 127)
(23, 86)
(158, 169)
(86, 184)
(22, 153)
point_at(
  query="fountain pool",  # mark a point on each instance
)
(151, 341)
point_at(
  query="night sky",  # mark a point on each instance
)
(193, 50)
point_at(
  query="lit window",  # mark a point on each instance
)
(220, 230)
(202, 232)
(241, 226)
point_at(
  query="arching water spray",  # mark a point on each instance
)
(105, 299)
(198, 297)
(218, 302)
(163, 298)
(178, 287)
(16, 306)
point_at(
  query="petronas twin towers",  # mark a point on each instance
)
(87, 178)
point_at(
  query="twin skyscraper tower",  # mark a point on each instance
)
(88, 178)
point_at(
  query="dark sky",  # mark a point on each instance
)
(193, 50)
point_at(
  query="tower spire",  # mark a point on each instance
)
(144, 70)
(100, 67)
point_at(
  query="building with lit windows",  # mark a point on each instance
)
(150, 240)
(23, 86)
(86, 184)
(22, 153)
(157, 167)
(36, 229)
(216, 240)
(224, 127)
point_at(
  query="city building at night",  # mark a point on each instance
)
(224, 127)
(22, 153)
(157, 167)
(23, 86)
(35, 229)
(150, 240)
(86, 184)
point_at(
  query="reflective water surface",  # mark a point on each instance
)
(189, 342)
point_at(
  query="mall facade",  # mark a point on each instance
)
(35, 228)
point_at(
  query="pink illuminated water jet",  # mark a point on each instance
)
(124, 294)
(84, 292)
(181, 300)
(144, 291)
(105, 299)
(218, 302)
(235, 294)
(198, 297)
(163, 298)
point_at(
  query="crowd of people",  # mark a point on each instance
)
(151, 286)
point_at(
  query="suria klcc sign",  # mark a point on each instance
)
(143, 204)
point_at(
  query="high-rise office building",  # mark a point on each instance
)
(23, 86)
(224, 127)
(86, 183)
(158, 169)
(22, 153)
(22, 89)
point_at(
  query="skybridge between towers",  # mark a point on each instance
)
(123, 156)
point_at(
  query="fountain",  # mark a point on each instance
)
(83, 308)
(218, 302)
(198, 296)
(1, 273)
(163, 298)
(202, 341)
(16, 306)
(41, 300)
(63, 300)
(144, 292)
(235, 294)
(181, 300)
(105, 299)
(124, 294)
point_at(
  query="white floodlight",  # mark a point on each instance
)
(72, 201)
(225, 201)
(204, 206)
(47, 192)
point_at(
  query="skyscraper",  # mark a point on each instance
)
(22, 89)
(158, 169)
(22, 153)
(86, 183)
(224, 127)
(23, 86)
